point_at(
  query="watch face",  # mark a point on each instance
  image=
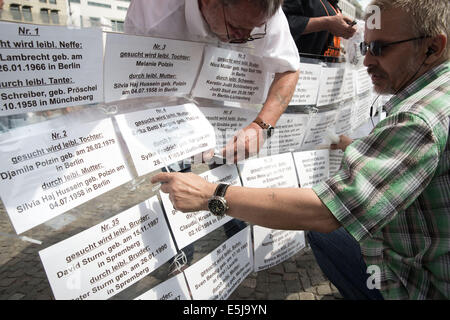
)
(217, 206)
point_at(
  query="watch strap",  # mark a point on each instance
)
(262, 123)
(221, 189)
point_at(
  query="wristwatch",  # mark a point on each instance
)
(217, 204)
(265, 126)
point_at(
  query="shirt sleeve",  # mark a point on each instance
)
(381, 174)
(296, 17)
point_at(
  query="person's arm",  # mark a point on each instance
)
(337, 25)
(283, 208)
(278, 97)
(344, 142)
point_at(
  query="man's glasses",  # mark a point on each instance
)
(252, 37)
(376, 47)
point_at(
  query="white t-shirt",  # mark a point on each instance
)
(182, 20)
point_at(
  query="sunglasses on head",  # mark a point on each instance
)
(376, 47)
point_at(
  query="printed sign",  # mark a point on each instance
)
(335, 161)
(173, 289)
(288, 135)
(277, 171)
(363, 83)
(275, 246)
(312, 166)
(50, 168)
(161, 136)
(330, 89)
(110, 256)
(272, 172)
(318, 125)
(191, 226)
(45, 67)
(227, 121)
(308, 85)
(219, 273)
(231, 76)
(137, 66)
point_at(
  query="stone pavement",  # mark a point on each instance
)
(298, 278)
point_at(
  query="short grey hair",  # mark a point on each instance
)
(269, 7)
(428, 17)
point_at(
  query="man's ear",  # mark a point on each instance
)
(435, 49)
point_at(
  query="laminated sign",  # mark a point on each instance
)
(110, 256)
(49, 168)
(43, 67)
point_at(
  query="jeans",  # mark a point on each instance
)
(339, 256)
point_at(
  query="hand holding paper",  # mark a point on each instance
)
(187, 191)
(246, 143)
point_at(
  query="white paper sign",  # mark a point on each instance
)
(363, 83)
(275, 246)
(319, 123)
(335, 161)
(312, 166)
(161, 136)
(288, 134)
(276, 171)
(189, 227)
(308, 85)
(137, 66)
(272, 172)
(219, 273)
(48, 169)
(362, 109)
(231, 76)
(227, 121)
(344, 118)
(348, 85)
(110, 256)
(45, 67)
(331, 82)
(173, 289)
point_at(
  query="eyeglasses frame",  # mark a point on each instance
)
(252, 37)
(382, 46)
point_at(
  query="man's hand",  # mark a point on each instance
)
(187, 191)
(246, 143)
(344, 141)
(339, 26)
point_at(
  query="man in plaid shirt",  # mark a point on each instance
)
(381, 225)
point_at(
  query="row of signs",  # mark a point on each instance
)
(51, 167)
(116, 253)
(47, 67)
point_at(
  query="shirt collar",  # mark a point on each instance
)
(417, 85)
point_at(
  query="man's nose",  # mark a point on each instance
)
(369, 59)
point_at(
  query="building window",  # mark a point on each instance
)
(122, 8)
(74, 1)
(117, 25)
(97, 4)
(45, 16)
(26, 11)
(44, 1)
(15, 11)
(55, 16)
(52, 1)
(95, 22)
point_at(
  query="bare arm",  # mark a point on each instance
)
(284, 208)
(338, 25)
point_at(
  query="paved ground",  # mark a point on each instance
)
(22, 276)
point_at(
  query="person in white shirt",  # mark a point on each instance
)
(234, 24)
